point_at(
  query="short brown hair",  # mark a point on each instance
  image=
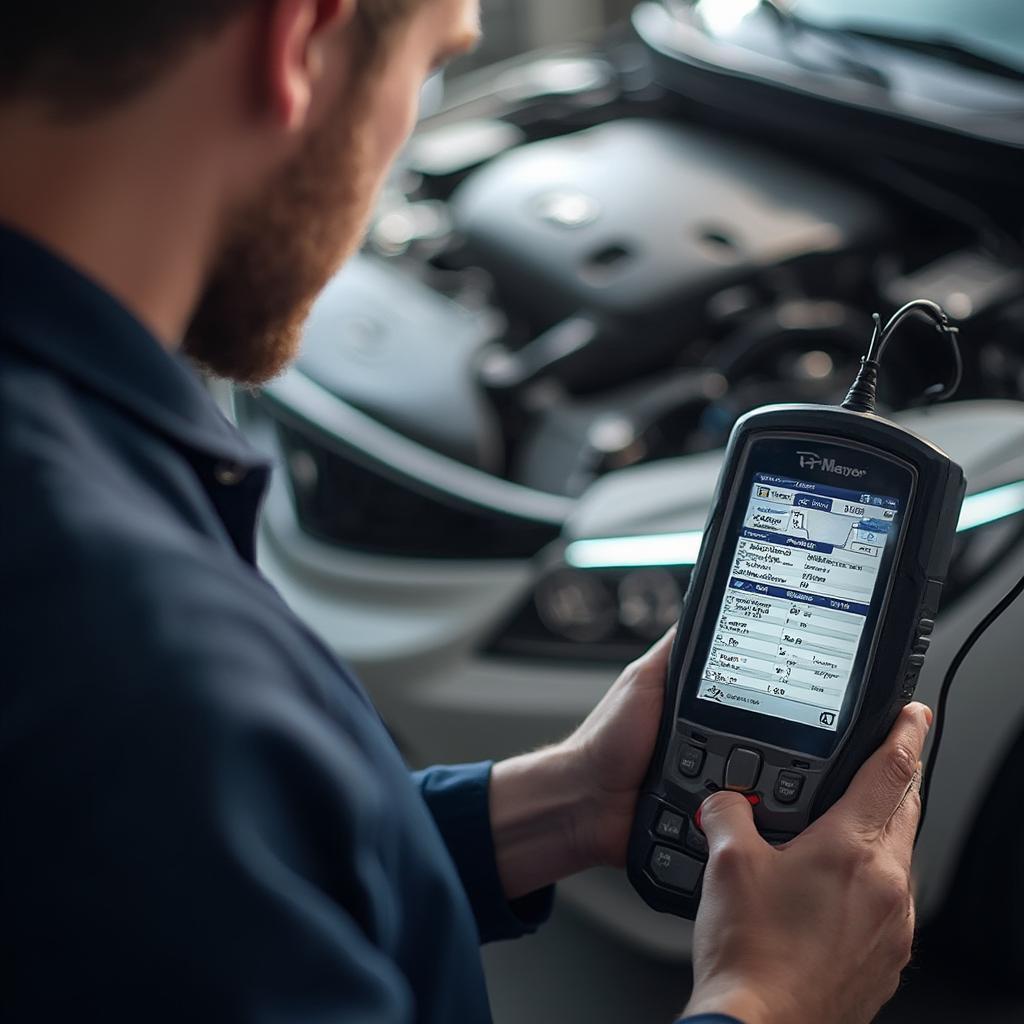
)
(81, 57)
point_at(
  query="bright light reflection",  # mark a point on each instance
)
(657, 549)
(724, 16)
(683, 548)
(990, 506)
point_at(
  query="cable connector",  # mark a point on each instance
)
(864, 389)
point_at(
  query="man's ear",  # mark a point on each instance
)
(300, 34)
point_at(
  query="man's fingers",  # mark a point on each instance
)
(653, 663)
(883, 782)
(727, 819)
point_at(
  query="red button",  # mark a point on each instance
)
(752, 798)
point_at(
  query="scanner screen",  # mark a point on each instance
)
(804, 575)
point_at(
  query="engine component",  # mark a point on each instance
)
(645, 220)
(969, 282)
(404, 354)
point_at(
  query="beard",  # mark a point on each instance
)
(279, 251)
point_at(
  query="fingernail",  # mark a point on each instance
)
(929, 715)
(700, 810)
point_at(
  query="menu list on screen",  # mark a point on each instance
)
(799, 590)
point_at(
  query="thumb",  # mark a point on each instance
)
(656, 659)
(728, 818)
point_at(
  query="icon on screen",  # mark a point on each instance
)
(764, 492)
(827, 718)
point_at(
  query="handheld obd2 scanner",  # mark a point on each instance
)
(805, 625)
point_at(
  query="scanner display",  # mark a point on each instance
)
(804, 574)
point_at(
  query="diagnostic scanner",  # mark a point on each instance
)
(805, 626)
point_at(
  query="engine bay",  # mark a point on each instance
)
(577, 270)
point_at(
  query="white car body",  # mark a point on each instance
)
(415, 631)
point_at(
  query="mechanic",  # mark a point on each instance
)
(203, 816)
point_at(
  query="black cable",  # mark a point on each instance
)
(862, 393)
(932, 312)
(947, 682)
(861, 398)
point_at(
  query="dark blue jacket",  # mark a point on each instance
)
(202, 817)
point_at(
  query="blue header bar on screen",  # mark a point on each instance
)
(826, 490)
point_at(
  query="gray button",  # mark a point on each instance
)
(691, 760)
(675, 870)
(670, 825)
(742, 769)
(788, 786)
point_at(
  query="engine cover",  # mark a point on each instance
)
(641, 218)
(386, 343)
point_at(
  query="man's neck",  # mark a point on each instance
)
(121, 198)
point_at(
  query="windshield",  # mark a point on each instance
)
(989, 28)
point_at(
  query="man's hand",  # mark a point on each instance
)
(815, 930)
(570, 806)
(818, 929)
(613, 748)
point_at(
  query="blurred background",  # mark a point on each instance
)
(619, 227)
(512, 28)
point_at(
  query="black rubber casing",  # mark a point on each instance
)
(906, 606)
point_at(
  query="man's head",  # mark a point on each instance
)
(313, 97)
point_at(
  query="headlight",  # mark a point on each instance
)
(607, 614)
